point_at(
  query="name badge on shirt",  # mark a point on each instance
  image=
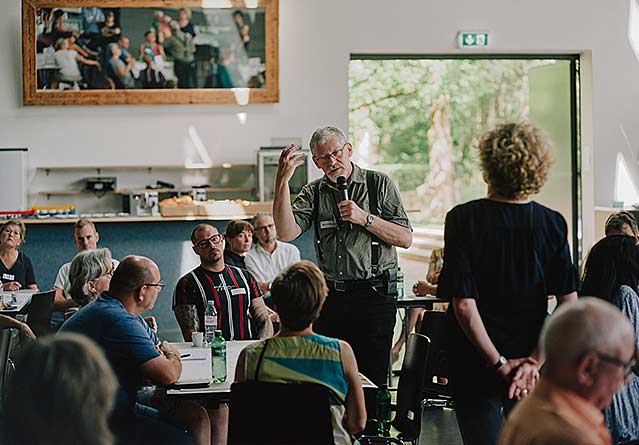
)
(8, 276)
(329, 224)
(238, 291)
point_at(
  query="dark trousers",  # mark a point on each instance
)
(185, 72)
(481, 407)
(365, 319)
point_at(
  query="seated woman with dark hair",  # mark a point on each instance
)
(62, 393)
(89, 275)
(299, 293)
(239, 240)
(612, 274)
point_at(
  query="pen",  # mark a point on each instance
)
(185, 355)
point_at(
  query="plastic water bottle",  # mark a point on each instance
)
(210, 321)
(383, 411)
(218, 358)
(400, 283)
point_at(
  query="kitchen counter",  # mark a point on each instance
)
(125, 219)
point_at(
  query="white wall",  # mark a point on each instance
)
(316, 38)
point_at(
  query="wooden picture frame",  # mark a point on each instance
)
(268, 80)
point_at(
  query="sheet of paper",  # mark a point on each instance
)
(196, 366)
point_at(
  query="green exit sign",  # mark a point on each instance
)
(467, 39)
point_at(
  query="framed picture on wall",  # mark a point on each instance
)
(150, 52)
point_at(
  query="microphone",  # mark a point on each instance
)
(342, 187)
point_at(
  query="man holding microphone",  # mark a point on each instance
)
(356, 231)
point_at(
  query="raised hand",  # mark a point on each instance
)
(289, 161)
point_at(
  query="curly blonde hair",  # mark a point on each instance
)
(515, 159)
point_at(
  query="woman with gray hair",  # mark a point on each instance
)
(89, 275)
(62, 393)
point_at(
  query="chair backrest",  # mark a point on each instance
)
(279, 413)
(6, 366)
(410, 387)
(434, 327)
(39, 312)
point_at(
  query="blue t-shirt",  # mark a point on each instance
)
(126, 339)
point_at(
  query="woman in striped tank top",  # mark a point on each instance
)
(298, 355)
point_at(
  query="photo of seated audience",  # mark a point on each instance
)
(612, 274)
(186, 47)
(62, 393)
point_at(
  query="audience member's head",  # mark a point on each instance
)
(136, 282)
(208, 244)
(12, 233)
(622, 223)
(264, 228)
(238, 17)
(239, 236)
(61, 44)
(124, 42)
(62, 393)
(89, 275)
(515, 159)
(114, 51)
(612, 262)
(184, 14)
(158, 15)
(590, 348)
(298, 294)
(149, 36)
(85, 236)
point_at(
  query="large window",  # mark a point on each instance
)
(419, 118)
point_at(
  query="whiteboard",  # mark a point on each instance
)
(13, 179)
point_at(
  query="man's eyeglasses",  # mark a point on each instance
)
(159, 284)
(327, 158)
(264, 228)
(631, 366)
(215, 239)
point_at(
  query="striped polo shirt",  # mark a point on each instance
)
(232, 290)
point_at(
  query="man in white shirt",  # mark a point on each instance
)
(269, 256)
(85, 237)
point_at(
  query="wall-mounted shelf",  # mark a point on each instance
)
(138, 191)
(149, 168)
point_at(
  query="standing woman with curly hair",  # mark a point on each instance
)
(505, 254)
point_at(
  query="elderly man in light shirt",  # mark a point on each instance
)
(590, 353)
(269, 256)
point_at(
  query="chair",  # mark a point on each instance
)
(39, 313)
(434, 327)
(408, 416)
(279, 414)
(6, 365)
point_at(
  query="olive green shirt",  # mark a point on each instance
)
(346, 252)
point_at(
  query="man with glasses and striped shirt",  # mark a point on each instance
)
(241, 311)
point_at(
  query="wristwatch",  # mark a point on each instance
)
(369, 220)
(500, 362)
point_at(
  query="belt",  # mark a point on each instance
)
(348, 285)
